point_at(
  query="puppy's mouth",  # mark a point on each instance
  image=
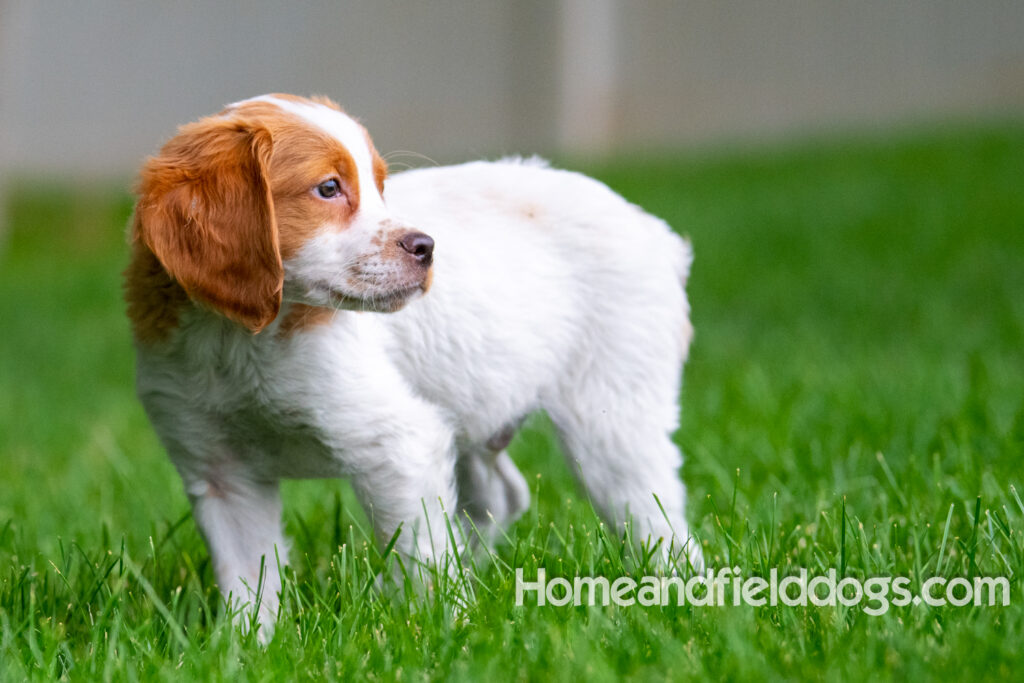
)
(380, 301)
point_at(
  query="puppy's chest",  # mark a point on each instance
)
(256, 393)
(226, 371)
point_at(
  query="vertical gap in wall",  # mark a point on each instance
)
(15, 24)
(588, 61)
(533, 80)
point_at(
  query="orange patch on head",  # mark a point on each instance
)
(380, 170)
(304, 159)
(304, 156)
(380, 167)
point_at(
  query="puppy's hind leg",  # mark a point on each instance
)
(615, 418)
(492, 490)
(631, 474)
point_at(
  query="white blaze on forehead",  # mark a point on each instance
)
(343, 129)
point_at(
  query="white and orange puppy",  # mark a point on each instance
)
(278, 292)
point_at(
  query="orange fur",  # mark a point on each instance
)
(302, 317)
(154, 298)
(206, 212)
(380, 167)
(304, 157)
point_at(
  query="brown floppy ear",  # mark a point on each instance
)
(206, 212)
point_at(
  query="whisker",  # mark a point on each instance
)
(415, 155)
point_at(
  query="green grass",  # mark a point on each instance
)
(853, 401)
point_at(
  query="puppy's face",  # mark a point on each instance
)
(278, 199)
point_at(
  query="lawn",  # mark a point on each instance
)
(853, 401)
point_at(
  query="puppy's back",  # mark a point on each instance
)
(533, 267)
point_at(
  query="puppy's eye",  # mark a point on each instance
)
(329, 189)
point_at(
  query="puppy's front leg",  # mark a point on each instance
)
(396, 448)
(405, 479)
(240, 518)
(401, 465)
(237, 512)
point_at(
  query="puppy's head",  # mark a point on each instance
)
(278, 198)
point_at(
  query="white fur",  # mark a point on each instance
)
(549, 292)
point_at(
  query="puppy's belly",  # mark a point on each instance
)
(281, 446)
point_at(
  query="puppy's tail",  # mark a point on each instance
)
(684, 259)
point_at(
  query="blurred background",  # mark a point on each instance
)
(850, 174)
(88, 88)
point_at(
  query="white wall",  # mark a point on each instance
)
(89, 87)
(696, 70)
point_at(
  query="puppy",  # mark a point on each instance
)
(292, 318)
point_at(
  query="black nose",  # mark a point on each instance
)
(419, 245)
